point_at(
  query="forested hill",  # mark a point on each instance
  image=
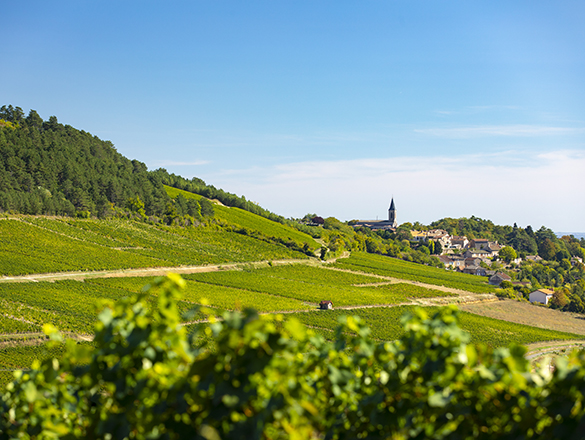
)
(50, 168)
(54, 169)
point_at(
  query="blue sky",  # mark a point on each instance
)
(455, 108)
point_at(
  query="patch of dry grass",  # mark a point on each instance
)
(529, 314)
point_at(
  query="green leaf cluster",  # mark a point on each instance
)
(147, 378)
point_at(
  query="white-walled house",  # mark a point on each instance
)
(541, 295)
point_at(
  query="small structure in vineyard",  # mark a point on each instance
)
(326, 305)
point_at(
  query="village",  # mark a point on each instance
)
(477, 256)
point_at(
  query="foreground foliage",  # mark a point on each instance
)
(269, 379)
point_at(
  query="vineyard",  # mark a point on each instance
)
(220, 297)
(392, 267)
(384, 323)
(11, 325)
(313, 284)
(317, 275)
(251, 222)
(41, 245)
(12, 358)
(70, 306)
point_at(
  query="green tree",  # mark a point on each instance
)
(559, 299)
(547, 249)
(207, 209)
(136, 205)
(33, 120)
(507, 254)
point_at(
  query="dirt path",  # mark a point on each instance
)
(144, 272)
(463, 296)
(541, 349)
(36, 338)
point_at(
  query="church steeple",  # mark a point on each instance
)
(392, 214)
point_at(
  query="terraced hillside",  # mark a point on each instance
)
(292, 289)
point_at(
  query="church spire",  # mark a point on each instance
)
(392, 214)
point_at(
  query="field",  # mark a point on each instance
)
(41, 245)
(72, 305)
(69, 305)
(218, 296)
(378, 289)
(252, 222)
(305, 284)
(385, 325)
(529, 314)
(17, 358)
(393, 267)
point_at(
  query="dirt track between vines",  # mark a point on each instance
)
(463, 296)
(481, 304)
(142, 272)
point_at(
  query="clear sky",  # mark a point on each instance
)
(455, 108)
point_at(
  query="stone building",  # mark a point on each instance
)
(390, 224)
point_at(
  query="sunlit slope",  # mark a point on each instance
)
(41, 245)
(251, 222)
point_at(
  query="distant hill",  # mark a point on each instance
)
(50, 168)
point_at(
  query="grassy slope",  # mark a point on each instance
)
(250, 221)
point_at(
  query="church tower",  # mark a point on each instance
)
(392, 214)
